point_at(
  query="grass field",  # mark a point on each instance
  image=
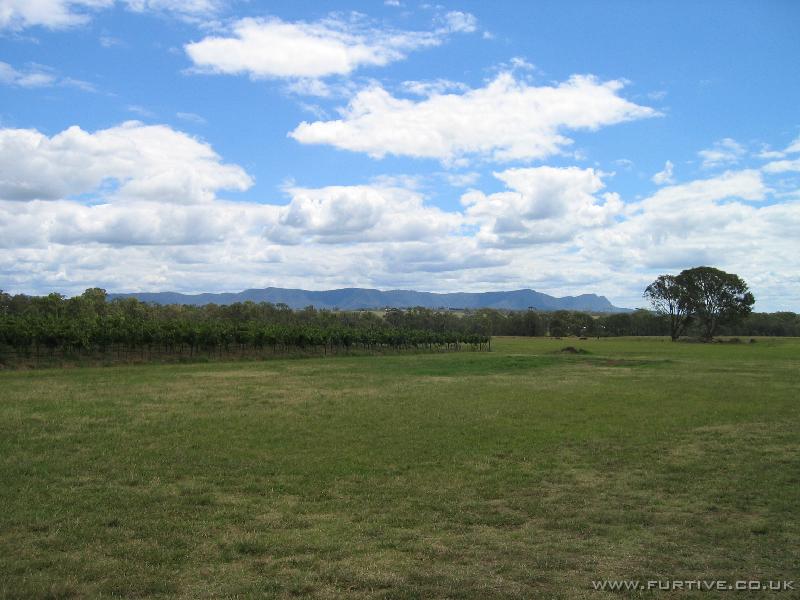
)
(520, 473)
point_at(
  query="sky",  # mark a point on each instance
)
(566, 146)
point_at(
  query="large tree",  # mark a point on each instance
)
(667, 296)
(715, 297)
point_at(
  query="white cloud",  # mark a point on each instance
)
(108, 41)
(710, 221)
(151, 185)
(506, 120)
(61, 14)
(191, 118)
(782, 166)
(624, 163)
(38, 76)
(31, 78)
(141, 111)
(130, 161)
(460, 22)
(138, 207)
(541, 205)
(135, 206)
(664, 176)
(439, 256)
(767, 153)
(794, 146)
(402, 180)
(746, 185)
(310, 87)
(724, 152)
(132, 223)
(519, 63)
(182, 8)
(272, 48)
(461, 179)
(359, 214)
(682, 223)
(619, 251)
(53, 14)
(332, 217)
(78, 84)
(571, 238)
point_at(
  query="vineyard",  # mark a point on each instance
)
(34, 330)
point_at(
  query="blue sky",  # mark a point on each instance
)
(571, 147)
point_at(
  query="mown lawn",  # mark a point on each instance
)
(520, 473)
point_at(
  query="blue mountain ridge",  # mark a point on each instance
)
(364, 298)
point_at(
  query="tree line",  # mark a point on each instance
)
(565, 323)
(89, 325)
(700, 302)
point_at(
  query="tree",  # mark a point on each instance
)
(668, 297)
(715, 297)
(5, 302)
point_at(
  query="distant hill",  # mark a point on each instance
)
(362, 298)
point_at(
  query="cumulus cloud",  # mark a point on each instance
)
(681, 224)
(138, 207)
(665, 175)
(148, 185)
(724, 152)
(129, 162)
(136, 223)
(332, 217)
(715, 221)
(273, 48)
(350, 214)
(541, 205)
(505, 120)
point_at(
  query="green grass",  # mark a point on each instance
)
(521, 473)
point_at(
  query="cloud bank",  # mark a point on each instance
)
(143, 207)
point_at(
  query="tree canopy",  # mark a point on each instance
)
(667, 296)
(709, 296)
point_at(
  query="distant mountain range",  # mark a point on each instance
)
(362, 298)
